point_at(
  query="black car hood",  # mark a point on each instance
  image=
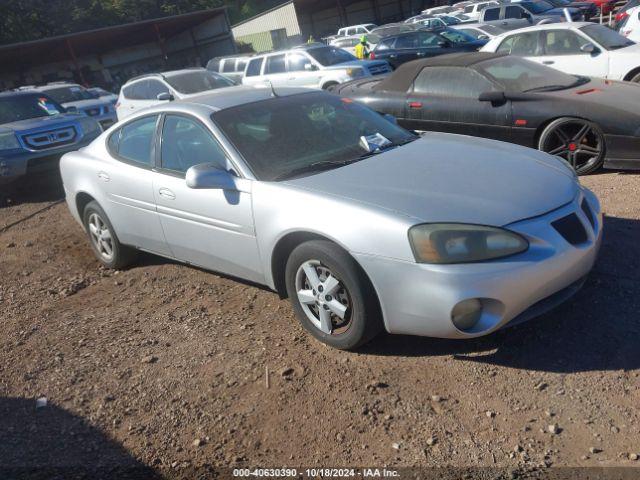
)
(608, 94)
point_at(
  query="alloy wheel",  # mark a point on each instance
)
(323, 298)
(578, 142)
(101, 237)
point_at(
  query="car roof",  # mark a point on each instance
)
(230, 97)
(403, 77)
(170, 73)
(51, 86)
(17, 93)
(550, 26)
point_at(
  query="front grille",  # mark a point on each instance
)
(379, 69)
(571, 229)
(588, 212)
(50, 138)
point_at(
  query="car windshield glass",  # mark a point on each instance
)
(23, 107)
(518, 75)
(198, 81)
(609, 39)
(537, 7)
(328, 56)
(281, 136)
(456, 36)
(69, 94)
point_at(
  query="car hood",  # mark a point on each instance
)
(89, 103)
(453, 178)
(609, 94)
(41, 122)
(631, 50)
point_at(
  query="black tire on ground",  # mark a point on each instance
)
(122, 255)
(580, 142)
(635, 78)
(363, 318)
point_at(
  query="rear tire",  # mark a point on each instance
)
(635, 78)
(579, 142)
(332, 297)
(104, 241)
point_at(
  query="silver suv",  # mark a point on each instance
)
(311, 66)
(510, 16)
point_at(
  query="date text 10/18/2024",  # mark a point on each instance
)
(317, 472)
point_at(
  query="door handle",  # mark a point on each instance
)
(104, 176)
(393, 56)
(548, 62)
(505, 23)
(166, 193)
(421, 54)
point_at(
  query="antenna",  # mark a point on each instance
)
(273, 90)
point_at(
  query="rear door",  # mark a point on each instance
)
(127, 180)
(405, 49)
(302, 72)
(445, 99)
(275, 70)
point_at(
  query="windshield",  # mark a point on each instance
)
(456, 36)
(198, 81)
(609, 39)
(519, 75)
(73, 93)
(327, 56)
(24, 107)
(282, 135)
(537, 7)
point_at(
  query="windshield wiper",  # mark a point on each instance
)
(313, 167)
(549, 88)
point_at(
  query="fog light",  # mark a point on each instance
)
(466, 314)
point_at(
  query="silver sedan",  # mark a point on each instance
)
(363, 225)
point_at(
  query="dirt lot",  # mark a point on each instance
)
(164, 366)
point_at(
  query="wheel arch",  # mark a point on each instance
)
(329, 83)
(82, 200)
(631, 74)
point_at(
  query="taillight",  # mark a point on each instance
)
(372, 56)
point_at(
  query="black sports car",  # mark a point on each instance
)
(588, 122)
(404, 47)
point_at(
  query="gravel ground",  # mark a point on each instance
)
(163, 366)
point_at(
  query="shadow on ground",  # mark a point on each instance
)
(42, 187)
(598, 329)
(51, 443)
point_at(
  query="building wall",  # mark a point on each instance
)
(205, 41)
(276, 28)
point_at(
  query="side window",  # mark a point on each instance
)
(254, 67)
(561, 42)
(525, 44)
(297, 61)
(513, 11)
(186, 143)
(155, 88)
(229, 65)
(491, 14)
(426, 39)
(135, 91)
(468, 9)
(474, 33)
(240, 65)
(136, 140)
(452, 82)
(275, 64)
(385, 44)
(407, 41)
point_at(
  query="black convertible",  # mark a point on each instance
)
(589, 122)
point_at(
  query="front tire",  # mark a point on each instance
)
(332, 297)
(580, 142)
(104, 241)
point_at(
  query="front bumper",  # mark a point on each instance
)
(417, 299)
(15, 166)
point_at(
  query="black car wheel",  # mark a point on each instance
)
(331, 295)
(580, 142)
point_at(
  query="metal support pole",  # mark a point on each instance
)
(76, 65)
(161, 43)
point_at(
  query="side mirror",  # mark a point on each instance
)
(72, 109)
(588, 48)
(483, 37)
(442, 43)
(310, 67)
(165, 97)
(390, 118)
(210, 176)
(496, 98)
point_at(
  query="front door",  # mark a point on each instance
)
(209, 228)
(445, 99)
(561, 49)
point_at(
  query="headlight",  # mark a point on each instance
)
(457, 243)
(89, 126)
(8, 141)
(355, 72)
